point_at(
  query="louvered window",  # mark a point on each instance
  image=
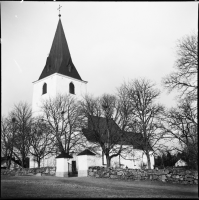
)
(44, 89)
(71, 88)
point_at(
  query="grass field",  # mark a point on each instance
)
(90, 187)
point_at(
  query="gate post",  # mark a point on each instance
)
(85, 159)
(62, 162)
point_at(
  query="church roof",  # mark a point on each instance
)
(96, 131)
(59, 59)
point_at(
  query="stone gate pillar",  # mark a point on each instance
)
(85, 159)
(62, 161)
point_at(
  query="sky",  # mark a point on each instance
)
(109, 42)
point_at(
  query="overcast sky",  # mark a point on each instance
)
(110, 42)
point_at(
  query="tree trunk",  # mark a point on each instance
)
(9, 161)
(108, 161)
(102, 157)
(148, 160)
(10, 158)
(38, 162)
(23, 161)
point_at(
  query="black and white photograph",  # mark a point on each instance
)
(99, 99)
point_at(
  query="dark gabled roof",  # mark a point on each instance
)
(64, 155)
(86, 152)
(129, 138)
(59, 59)
(98, 125)
(135, 139)
(102, 123)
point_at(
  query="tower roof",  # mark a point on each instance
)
(59, 59)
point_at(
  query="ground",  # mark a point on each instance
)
(90, 187)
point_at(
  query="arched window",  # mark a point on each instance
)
(44, 90)
(71, 88)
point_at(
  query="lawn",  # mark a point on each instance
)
(90, 187)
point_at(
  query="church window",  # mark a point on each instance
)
(71, 88)
(44, 90)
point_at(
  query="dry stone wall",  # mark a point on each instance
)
(173, 175)
(43, 171)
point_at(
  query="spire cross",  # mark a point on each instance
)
(59, 10)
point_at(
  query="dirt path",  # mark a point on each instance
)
(85, 187)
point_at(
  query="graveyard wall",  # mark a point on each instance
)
(174, 175)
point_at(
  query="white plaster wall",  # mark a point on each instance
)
(85, 161)
(61, 165)
(134, 160)
(32, 163)
(37, 92)
(82, 165)
(92, 160)
(98, 160)
(48, 161)
(56, 84)
(82, 162)
(129, 163)
(62, 86)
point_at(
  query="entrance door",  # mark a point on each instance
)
(72, 171)
(73, 166)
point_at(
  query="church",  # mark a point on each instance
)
(60, 76)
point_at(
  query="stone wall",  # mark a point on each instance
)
(173, 175)
(43, 171)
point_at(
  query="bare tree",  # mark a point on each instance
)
(22, 125)
(101, 127)
(4, 137)
(7, 139)
(145, 114)
(41, 140)
(181, 124)
(183, 118)
(62, 116)
(184, 79)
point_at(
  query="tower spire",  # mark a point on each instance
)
(59, 60)
(59, 11)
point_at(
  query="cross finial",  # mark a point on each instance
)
(59, 10)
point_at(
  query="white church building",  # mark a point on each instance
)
(60, 76)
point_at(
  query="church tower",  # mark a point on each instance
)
(59, 75)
